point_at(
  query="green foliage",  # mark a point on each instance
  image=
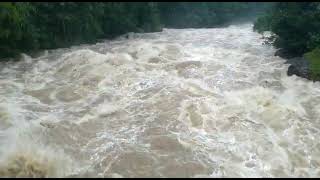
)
(13, 26)
(262, 24)
(206, 14)
(314, 59)
(295, 24)
(43, 25)
(67, 23)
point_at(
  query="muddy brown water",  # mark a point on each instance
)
(177, 103)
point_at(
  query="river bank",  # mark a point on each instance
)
(299, 65)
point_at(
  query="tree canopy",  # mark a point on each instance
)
(27, 26)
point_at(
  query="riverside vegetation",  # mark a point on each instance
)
(29, 26)
(296, 30)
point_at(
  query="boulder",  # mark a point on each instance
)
(284, 54)
(299, 66)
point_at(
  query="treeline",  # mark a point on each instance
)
(296, 29)
(44, 25)
(295, 24)
(28, 26)
(208, 14)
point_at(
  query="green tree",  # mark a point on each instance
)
(42, 25)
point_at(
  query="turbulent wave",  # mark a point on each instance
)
(177, 103)
(34, 161)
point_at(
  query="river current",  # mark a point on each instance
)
(177, 103)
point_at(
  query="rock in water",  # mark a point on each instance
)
(284, 54)
(299, 67)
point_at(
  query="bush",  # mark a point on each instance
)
(314, 59)
(295, 24)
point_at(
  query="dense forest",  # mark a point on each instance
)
(296, 30)
(41, 25)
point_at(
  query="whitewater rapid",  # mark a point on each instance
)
(177, 103)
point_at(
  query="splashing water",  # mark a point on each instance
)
(178, 103)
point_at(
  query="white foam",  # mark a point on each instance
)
(213, 101)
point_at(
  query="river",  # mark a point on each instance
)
(177, 103)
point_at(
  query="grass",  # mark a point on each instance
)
(314, 59)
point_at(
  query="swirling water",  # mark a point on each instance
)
(178, 103)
